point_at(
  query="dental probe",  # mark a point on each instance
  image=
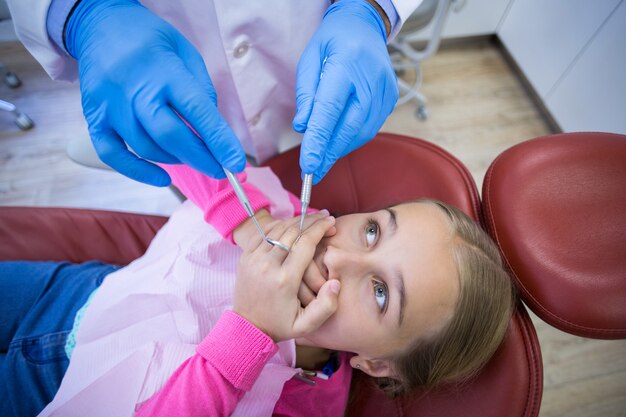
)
(305, 197)
(243, 199)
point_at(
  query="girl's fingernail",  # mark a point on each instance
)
(334, 286)
(324, 212)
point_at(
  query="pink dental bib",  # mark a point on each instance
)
(148, 318)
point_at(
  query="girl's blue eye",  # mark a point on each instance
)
(380, 293)
(371, 233)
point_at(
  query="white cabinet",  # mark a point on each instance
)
(474, 18)
(573, 54)
(591, 95)
(544, 37)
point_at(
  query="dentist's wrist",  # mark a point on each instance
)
(383, 15)
(58, 14)
(386, 11)
(84, 15)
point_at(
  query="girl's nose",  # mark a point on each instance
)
(341, 263)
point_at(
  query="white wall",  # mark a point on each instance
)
(544, 37)
(591, 94)
(474, 18)
(573, 53)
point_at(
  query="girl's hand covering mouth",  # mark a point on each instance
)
(269, 280)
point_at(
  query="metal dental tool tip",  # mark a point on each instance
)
(305, 197)
(277, 244)
(243, 199)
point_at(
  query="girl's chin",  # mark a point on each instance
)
(318, 339)
(304, 341)
(312, 339)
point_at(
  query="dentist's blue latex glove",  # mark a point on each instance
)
(345, 85)
(137, 74)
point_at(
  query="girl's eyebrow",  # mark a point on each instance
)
(400, 284)
(398, 278)
(393, 223)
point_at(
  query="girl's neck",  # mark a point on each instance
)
(311, 357)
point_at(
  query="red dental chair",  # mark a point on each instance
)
(556, 207)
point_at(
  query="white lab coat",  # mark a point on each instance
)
(250, 48)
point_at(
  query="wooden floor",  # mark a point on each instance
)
(477, 109)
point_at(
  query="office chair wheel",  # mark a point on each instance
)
(12, 80)
(421, 112)
(24, 122)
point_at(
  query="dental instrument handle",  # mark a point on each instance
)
(243, 199)
(239, 192)
(305, 197)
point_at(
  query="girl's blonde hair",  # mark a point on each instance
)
(480, 320)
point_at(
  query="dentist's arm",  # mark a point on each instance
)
(345, 83)
(30, 18)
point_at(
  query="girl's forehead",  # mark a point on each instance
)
(393, 207)
(423, 254)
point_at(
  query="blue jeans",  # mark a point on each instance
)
(38, 302)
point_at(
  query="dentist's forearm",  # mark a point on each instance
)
(384, 12)
(58, 13)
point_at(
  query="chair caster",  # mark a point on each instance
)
(421, 112)
(24, 122)
(12, 80)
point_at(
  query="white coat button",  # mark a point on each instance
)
(241, 49)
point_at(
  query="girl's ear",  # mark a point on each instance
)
(373, 367)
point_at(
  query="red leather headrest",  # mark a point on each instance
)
(390, 169)
(556, 206)
(510, 385)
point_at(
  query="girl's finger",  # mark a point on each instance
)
(309, 219)
(318, 310)
(313, 278)
(302, 252)
(305, 295)
(311, 283)
(274, 231)
(287, 231)
(293, 232)
(283, 244)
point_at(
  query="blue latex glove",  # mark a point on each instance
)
(345, 86)
(137, 75)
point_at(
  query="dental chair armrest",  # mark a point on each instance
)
(76, 235)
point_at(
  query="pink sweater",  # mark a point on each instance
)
(232, 355)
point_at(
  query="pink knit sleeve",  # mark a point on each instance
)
(218, 201)
(211, 383)
(216, 198)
